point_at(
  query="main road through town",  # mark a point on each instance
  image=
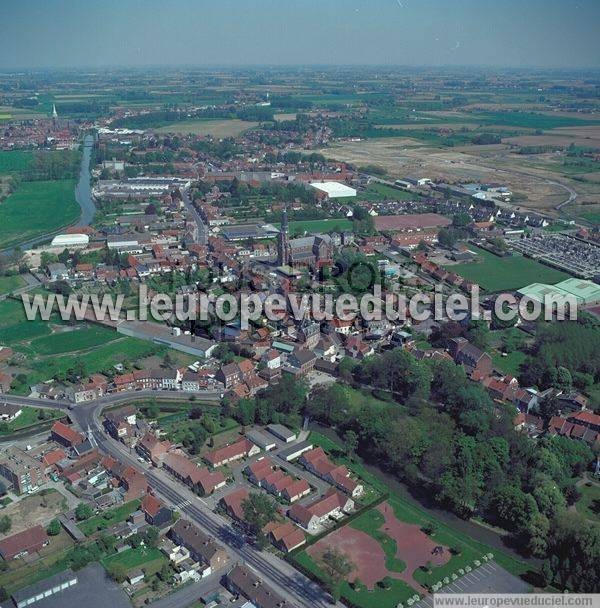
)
(286, 580)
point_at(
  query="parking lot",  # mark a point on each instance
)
(488, 578)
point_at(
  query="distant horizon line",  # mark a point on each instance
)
(216, 66)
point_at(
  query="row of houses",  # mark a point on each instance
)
(264, 474)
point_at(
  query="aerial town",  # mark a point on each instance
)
(297, 459)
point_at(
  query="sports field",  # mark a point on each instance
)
(215, 128)
(81, 338)
(37, 208)
(494, 273)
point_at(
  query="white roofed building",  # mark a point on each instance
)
(334, 189)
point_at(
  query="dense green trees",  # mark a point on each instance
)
(565, 353)
(280, 402)
(574, 554)
(446, 435)
(259, 510)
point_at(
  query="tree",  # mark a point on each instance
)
(259, 510)
(5, 524)
(117, 572)
(337, 567)
(574, 553)
(83, 511)
(53, 528)
(350, 442)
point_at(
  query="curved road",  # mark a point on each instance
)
(285, 579)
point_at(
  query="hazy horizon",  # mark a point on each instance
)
(531, 34)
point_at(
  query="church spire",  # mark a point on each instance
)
(283, 243)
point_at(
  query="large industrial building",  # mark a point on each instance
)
(585, 292)
(333, 189)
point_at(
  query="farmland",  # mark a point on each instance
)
(493, 273)
(214, 128)
(37, 208)
(15, 161)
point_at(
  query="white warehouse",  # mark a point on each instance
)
(334, 189)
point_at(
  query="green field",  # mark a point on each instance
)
(37, 208)
(589, 503)
(97, 360)
(215, 128)
(591, 217)
(108, 518)
(511, 364)
(10, 283)
(148, 559)
(30, 416)
(15, 161)
(494, 273)
(69, 341)
(379, 192)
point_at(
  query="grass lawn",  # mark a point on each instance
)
(493, 273)
(15, 161)
(511, 364)
(149, 559)
(29, 416)
(9, 284)
(589, 503)
(213, 127)
(380, 192)
(78, 339)
(37, 208)
(591, 217)
(370, 522)
(101, 358)
(108, 518)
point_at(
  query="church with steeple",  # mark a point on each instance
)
(283, 241)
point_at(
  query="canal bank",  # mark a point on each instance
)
(83, 196)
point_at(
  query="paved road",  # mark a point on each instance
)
(109, 400)
(202, 235)
(275, 571)
(190, 593)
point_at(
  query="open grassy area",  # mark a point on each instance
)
(10, 283)
(30, 416)
(370, 523)
(215, 128)
(380, 192)
(108, 518)
(589, 503)
(82, 338)
(494, 273)
(150, 560)
(37, 208)
(96, 360)
(327, 225)
(15, 161)
(509, 364)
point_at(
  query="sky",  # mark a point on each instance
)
(92, 33)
